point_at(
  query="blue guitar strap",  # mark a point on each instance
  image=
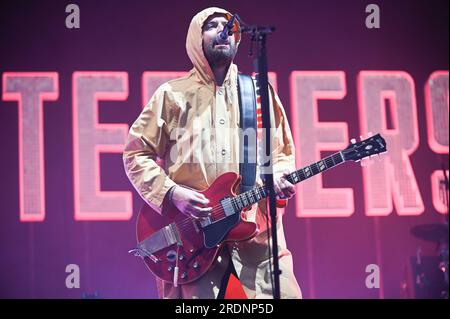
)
(247, 111)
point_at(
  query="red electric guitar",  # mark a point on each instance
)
(180, 249)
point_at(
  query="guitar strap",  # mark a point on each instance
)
(247, 121)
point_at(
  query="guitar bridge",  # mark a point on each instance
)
(161, 239)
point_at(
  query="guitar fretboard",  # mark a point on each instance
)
(256, 194)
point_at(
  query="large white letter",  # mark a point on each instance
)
(30, 90)
(437, 106)
(394, 175)
(92, 138)
(312, 136)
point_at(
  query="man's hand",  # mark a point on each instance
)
(283, 188)
(190, 202)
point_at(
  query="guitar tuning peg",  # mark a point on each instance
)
(377, 157)
(361, 138)
(363, 162)
(370, 134)
(353, 141)
(366, 162)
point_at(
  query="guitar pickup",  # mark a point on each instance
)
(205, 222)
(227, 206)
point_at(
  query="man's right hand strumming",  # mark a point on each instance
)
(190, 202)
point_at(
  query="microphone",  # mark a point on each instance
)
(227, 31)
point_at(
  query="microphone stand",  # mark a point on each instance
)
(259, 34)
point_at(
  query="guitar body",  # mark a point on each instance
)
(198, 246)
(172, 240)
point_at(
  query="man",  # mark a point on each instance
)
(191, 124)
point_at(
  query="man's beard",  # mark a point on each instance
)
(219, 56)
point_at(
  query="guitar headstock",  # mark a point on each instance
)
(371, 146)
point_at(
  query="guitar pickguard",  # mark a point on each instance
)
(215, 232)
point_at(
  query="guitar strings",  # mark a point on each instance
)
(215, 212)
(218, 209)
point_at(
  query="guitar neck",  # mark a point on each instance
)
(256, 194)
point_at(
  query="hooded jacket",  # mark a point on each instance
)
(187, 134)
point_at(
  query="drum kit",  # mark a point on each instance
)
(438, 233)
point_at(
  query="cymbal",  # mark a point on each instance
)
(436, 232)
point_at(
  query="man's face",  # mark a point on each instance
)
(217, 54)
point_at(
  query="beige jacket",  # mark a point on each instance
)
(187, 134)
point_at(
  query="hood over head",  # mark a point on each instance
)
(194, 42)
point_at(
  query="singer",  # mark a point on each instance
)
(201, 110)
